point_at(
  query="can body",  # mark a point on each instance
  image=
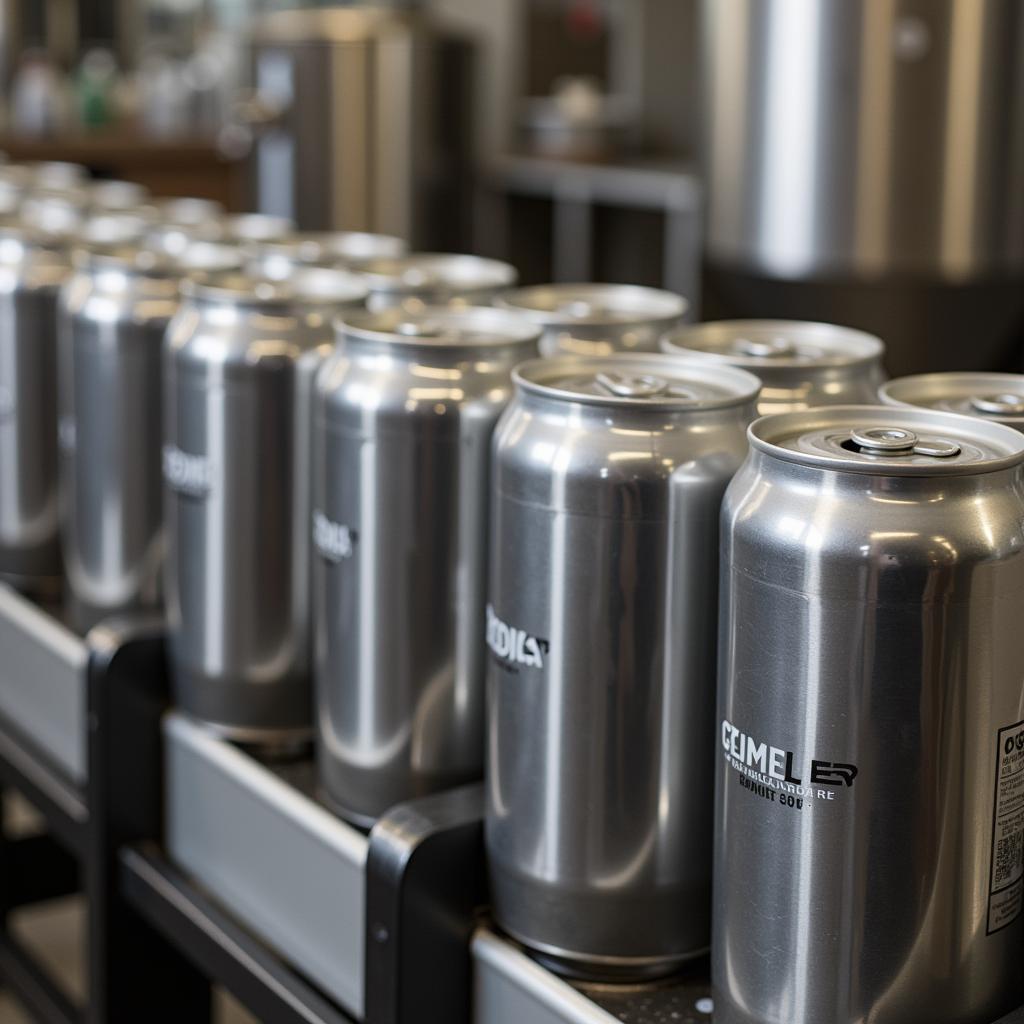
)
(30, 278)
(403, 431)
(801, 364)
(602, 629)
(870, 705)
(238, 379)
(112, 326)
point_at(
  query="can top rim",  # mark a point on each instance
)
(643, 380)
(322, 287)
(908, 441)
(418, 272)
(996, 397)
(437, 327)
(760, 345)
(115, 195)
(313, 246)
(135, 256)
(184, 211)
(569, 305)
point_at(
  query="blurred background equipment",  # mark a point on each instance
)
(865, 163)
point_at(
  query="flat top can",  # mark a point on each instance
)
(113, 195)
(870, 728)
(240, 359)
(404, 414)
(608, 475)
(256, 227)
(277, 257)
(57, 174)
(421, 279)
(998, 397)
(597, 319)
(801, 363)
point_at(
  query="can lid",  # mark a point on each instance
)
(423, 272)
(256, 227)
(761, 344)
(55, 212)
(57, 173)
(186, 211)
(117, 195)
(342, 247)
(888, 441)
(439, 328)
(638, 381)
(569, 305)
(994, 396)
(307, 286)
(109, 227)
(135, 255)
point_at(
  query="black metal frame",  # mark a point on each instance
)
(84, 828)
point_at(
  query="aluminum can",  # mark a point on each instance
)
(112, 195)
(998, 397)
(870, 805)
(801, 364)
(422, 279)
(55, 211)
(597, 319)
(256, 227)
(240, 359)
(404, 414)
(57, 174)
(277, 258)
(33, 266)
(179, 221)
(113, 314)
(608, 475)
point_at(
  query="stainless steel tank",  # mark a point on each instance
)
(870, 815)
(800, 364)
(404, 414)
(998, 397)
(240, 359)
(421, 279)
(362, 117)
(596, 319)
(113, 314)
(608, 476)
(33, 266)
(864, 162)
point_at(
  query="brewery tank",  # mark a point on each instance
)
(865, 162)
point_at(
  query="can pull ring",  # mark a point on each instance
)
(1004, 404)
(899, 441)
(770, 348)
(624, 385)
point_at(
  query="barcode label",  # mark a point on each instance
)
(1006, 886)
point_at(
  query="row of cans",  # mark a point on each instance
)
(400, 495)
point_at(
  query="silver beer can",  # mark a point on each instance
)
(869, 853)
(608, 477)
(114, 311)
(33, 266)
(597, 319)
(422, 279)
(998, 397)
(277, 257)
(801, 364)
(179, 221)
(240, 359)
(57, 174)
(113, 196)
(404, 414)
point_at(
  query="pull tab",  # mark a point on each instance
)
(423, 329)
(625, 386)
(898, 441)
(773, 348)
(996, 405)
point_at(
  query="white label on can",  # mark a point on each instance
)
(512, 646)
(190, 475)
(1006, 884)
(333, 540)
